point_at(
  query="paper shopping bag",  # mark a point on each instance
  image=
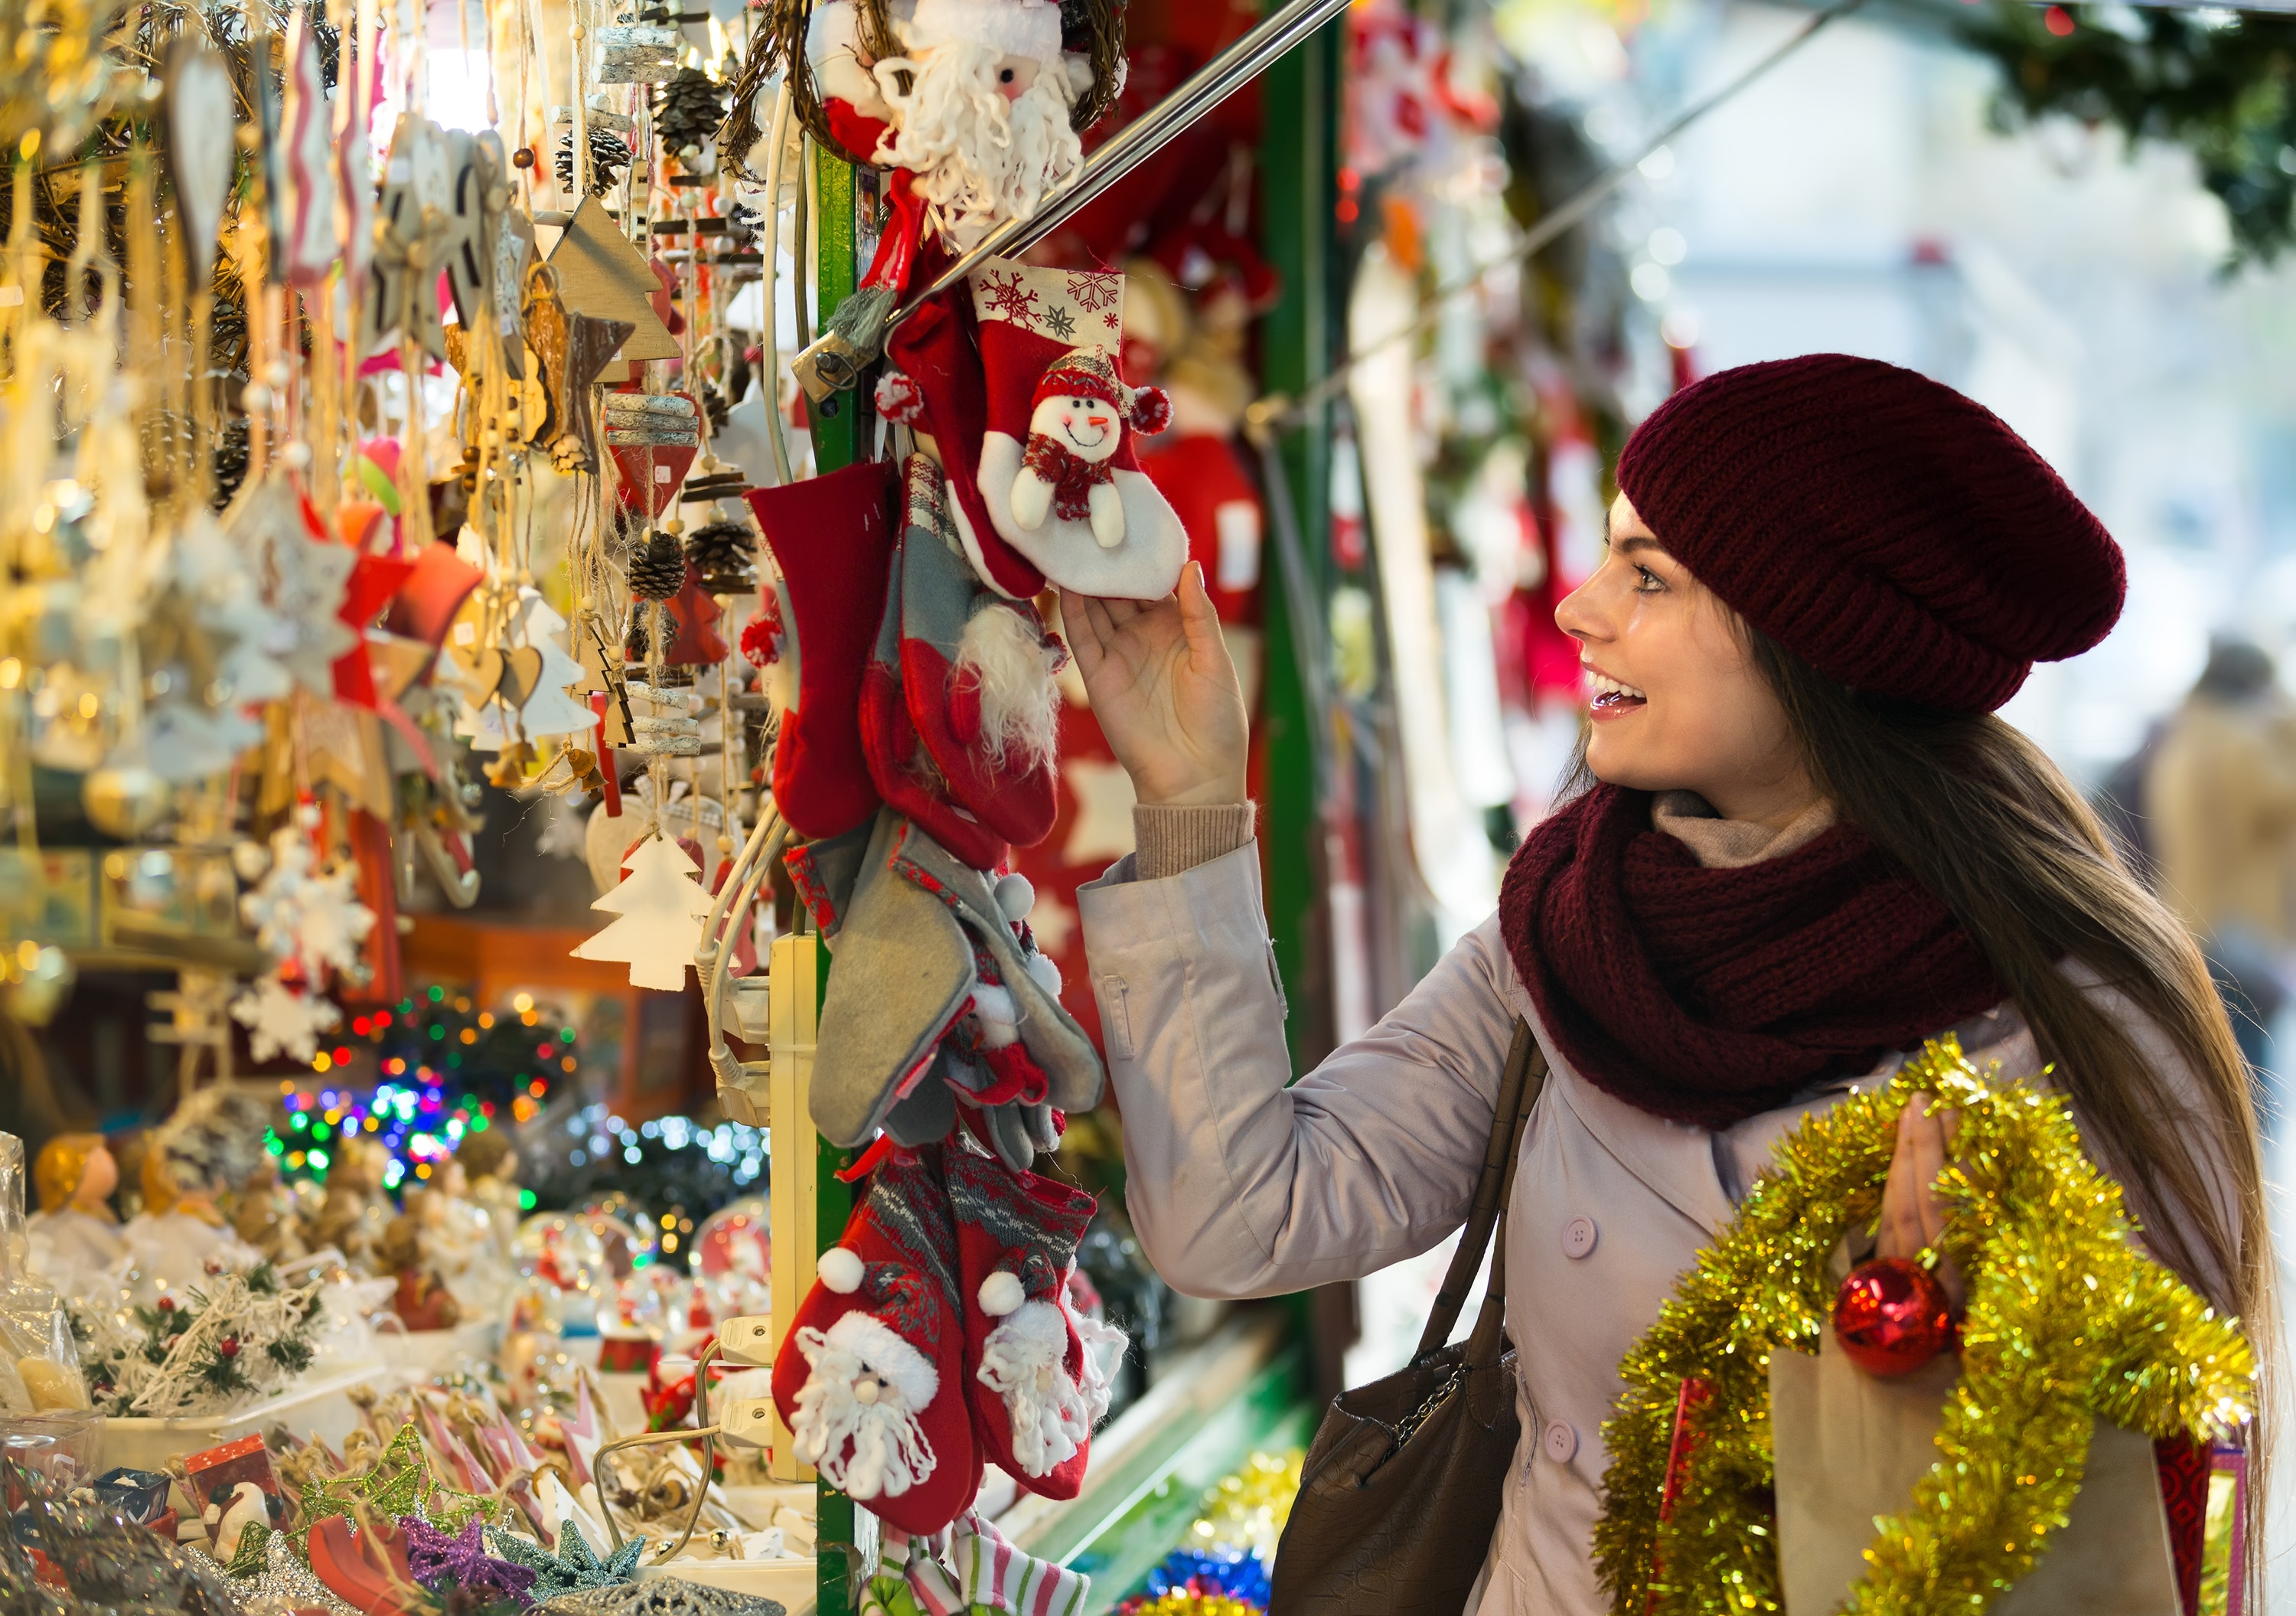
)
(1849, 1446)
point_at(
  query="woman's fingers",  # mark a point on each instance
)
(1929, 1142)
(1120, 612)
(1083, 633)
(1901, 1219)
(1199, 620)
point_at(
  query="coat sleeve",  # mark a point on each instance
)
(1238, 1185)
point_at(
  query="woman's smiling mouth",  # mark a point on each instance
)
(1612, 698)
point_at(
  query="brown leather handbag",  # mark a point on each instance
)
(1400, 1493)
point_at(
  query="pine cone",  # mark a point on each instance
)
(722, 553)
(637, 645)
(658, 571)
(230, 459)
(688, 111)
(609, 156)
(714, 406)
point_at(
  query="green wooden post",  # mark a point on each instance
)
(1299, 169)
(837, 443)
(837, 420)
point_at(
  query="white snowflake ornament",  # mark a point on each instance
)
(281, 1020)
(299, 913)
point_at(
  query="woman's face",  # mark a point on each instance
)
(1679, 704)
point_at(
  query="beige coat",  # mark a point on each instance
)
(1241, 1186)
(2221, 796)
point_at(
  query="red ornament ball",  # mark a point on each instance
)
(167, 1304)
(1891, 1317)
(228, 1346)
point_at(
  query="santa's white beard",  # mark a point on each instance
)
(1023, 1361)
(889, 1453)
(1020, 699)
(979, 158)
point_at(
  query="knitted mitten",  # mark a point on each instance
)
(899, 766)
(978, 675)
(1024, 1362)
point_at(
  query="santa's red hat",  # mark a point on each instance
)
(1087, 372)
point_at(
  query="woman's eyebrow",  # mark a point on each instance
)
(1637, 541)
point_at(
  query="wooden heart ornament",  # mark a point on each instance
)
(521, 675)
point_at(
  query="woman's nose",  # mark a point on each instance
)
(1574, 615)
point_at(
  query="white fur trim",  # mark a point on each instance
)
(1016, 895)
(1025, 1362)
(1001, 1294)
(841, 1270)
(833, 47)
(873, 1342)
(1145, 567)
(1045, 974)
(835, 26)
(1016, 28)
(1020, 700)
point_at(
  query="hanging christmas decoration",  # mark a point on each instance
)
(660, 905)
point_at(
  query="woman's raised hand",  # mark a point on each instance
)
(1164, 692)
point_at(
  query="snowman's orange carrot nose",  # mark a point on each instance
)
(1096, 421)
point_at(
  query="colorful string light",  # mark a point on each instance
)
(422, 1077)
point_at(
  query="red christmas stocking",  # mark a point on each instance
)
(898, 763)
(935, 357)
(1025, 1366)
(867, 1377)
(1057, 470)
(832, 538)
(978, 675)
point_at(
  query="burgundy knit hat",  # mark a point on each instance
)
(1894, 534)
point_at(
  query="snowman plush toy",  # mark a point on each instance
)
(1079, 417)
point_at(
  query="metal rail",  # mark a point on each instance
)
(828, 363)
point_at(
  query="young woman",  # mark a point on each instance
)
(1805, 846)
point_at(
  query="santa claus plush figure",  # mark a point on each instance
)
(981, 111)
(1077, 422)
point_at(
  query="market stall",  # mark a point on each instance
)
(547, 1057)
(436, 422)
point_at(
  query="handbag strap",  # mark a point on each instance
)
(1519, 1085)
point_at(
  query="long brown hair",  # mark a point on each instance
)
(1979, 816)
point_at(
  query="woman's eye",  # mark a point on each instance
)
(1647, 582)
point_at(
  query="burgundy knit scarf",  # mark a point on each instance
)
(1709, 996)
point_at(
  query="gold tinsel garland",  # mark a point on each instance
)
(2066, 1319)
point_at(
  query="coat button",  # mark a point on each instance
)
(1578, 1237)
(1562, 1443)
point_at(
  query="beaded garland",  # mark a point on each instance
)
(2067, 1319)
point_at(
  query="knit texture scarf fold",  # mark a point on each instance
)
(1709, 996)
